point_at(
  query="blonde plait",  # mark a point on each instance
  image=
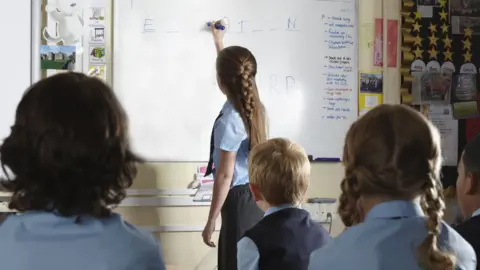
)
(430, 256)
(246, 74)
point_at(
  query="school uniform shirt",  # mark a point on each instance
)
(470, 230)
(387, 239)
(47, 241)
(283, 239)
(230, 135)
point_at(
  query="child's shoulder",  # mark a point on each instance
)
(113, 228)
(133, 234)
(450, 240)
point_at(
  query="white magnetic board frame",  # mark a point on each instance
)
(351, 9)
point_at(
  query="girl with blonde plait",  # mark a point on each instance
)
(239, 127)
(391, 199)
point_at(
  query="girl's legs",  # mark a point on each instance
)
(239, 214)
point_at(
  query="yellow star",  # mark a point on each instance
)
(418, 15)
(443, 3)
(433, 53)
(468, 56)
(448, 55)
(432, 28)
(448, 42)
(417, 40)
(467, 45)
(416, 27)
(467, 32)
(444, 28)
(418, 53)
(443, 15)
(433, 39)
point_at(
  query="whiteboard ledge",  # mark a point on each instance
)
(165, 201)
(160, 192)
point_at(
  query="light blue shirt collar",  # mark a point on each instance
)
(227, 106)
(476, 213)
(394, 209)
(277, 208)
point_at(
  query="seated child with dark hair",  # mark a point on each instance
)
(468, 194)
(70, 162)
(279, 172)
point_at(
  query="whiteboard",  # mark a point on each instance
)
(164, 71)
(15, 70)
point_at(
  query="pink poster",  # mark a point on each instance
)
(392, 42)
(378, 43)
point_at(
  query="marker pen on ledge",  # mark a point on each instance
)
(218, 25)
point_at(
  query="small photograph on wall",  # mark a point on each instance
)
(464, 8)
(57, 57)
(464, 96)
(97, 54)
(428, 2)
(464, 88)
(435, 87)
(371, 83)
(459, 23)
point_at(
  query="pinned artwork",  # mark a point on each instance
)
(431, 86)
(465, 17)
(435, 87)
(378, 43)
(69, 24)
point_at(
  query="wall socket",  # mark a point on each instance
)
(320, 211)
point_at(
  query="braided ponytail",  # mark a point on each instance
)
(247, 89)
(247, 100)
(252, 110)
(347, 208)
(429, 255)
(237, 68)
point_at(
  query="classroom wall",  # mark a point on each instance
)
(185, 250)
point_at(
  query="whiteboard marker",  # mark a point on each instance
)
(218, 25)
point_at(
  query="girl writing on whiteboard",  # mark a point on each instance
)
(239, 127)
(70, 162)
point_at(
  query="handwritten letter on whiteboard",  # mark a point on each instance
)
(164, 71)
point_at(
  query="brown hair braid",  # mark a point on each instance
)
(429, 255)
(383, 158)
(236, 70)
(347, 209)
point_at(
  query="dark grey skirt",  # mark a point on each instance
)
(239, 214)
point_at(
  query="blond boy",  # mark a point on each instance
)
(279, 172)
